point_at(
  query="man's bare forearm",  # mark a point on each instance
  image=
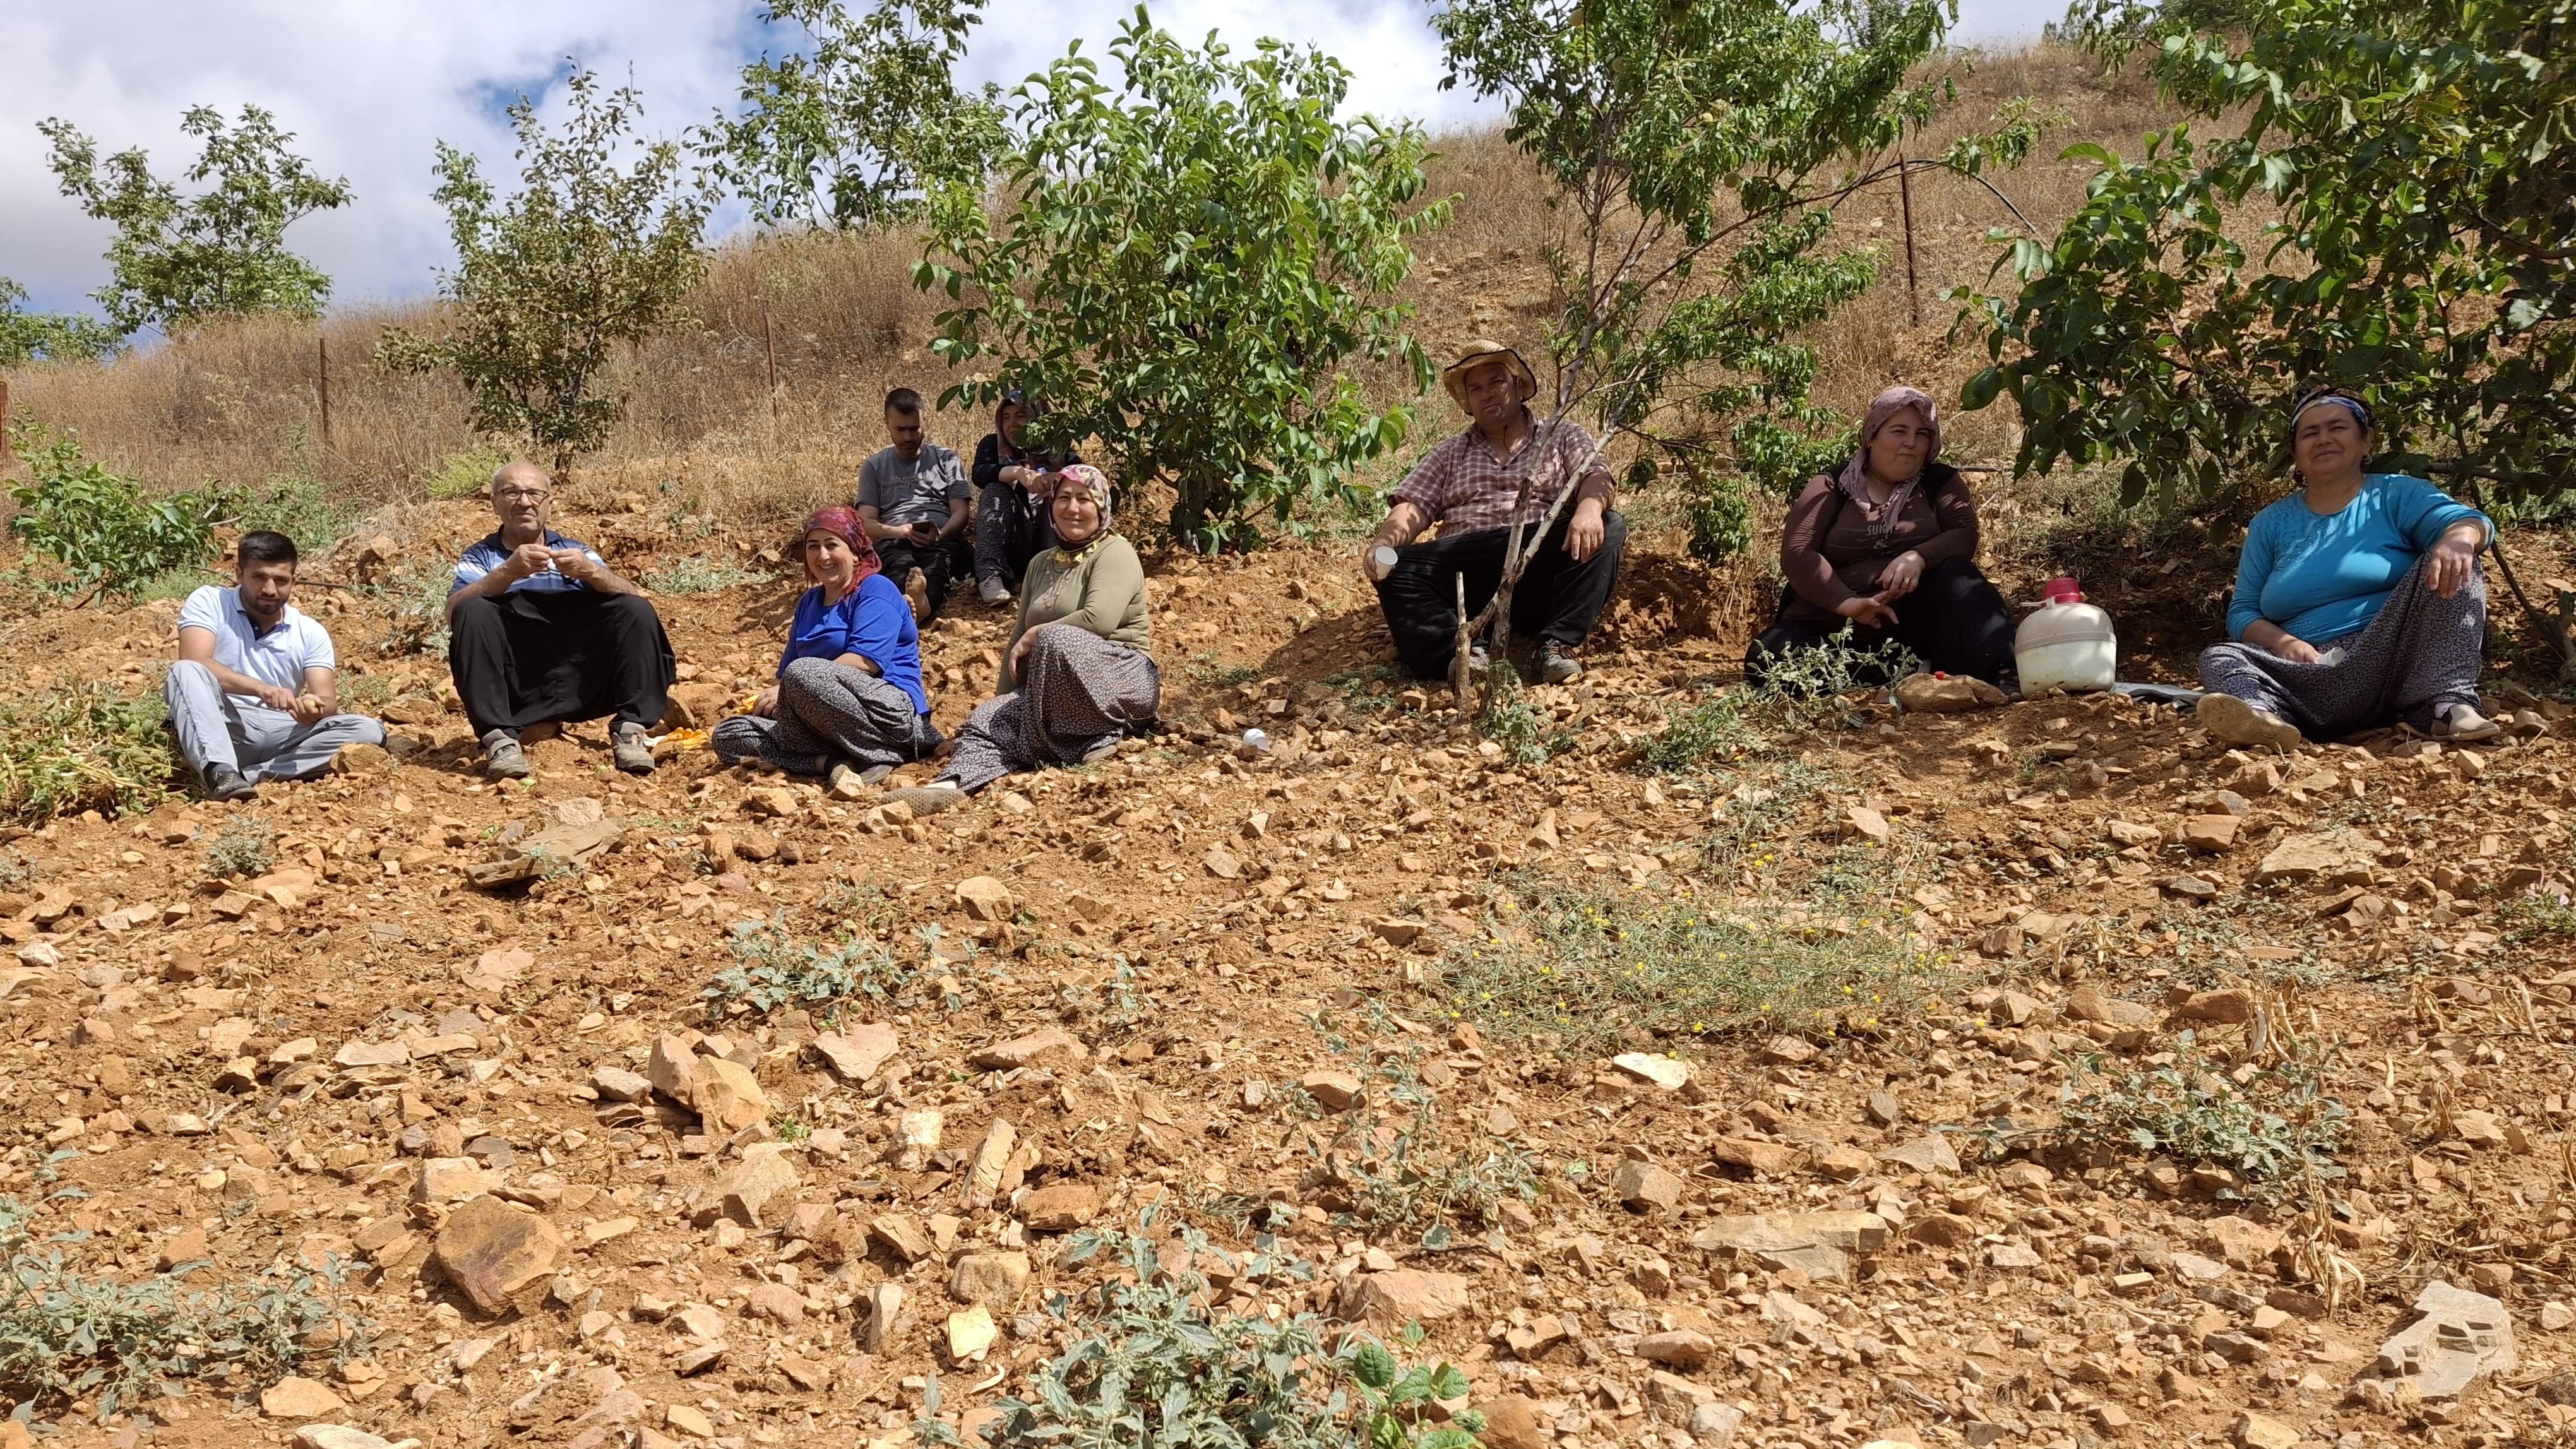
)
(1404, 523)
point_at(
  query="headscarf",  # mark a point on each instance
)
(2360, 410)
(842, 522)
(1855, 476)
(1092, 481)
(1012, 399)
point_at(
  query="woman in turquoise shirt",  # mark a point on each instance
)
(2358, 601)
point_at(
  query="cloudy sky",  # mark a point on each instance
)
(369, 87)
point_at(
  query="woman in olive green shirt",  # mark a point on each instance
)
(1077, 678)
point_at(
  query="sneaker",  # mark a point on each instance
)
(632, 748)
(2231, 719)
(1479, 659)
(916, 589)
(502, 757)
(223, 782)
(928, 799)
(1555, 666)
(996, 593)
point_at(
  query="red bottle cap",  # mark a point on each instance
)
(2063, 591)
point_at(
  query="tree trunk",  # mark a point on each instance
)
(2557, 623)
(1189, 523)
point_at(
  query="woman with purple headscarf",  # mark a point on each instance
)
(1886, 549)
(848, 704)
(2358, 600)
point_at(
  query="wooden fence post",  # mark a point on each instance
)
(1905, 201)
(322, 347)
(769, 352)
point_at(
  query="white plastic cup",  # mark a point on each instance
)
(1381, 562)
(1257, 740)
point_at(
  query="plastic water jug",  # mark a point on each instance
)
(2067, 644)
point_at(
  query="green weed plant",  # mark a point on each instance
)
(1591, 967)
(2533, 918)
(2276, 1127)
(80, 745)
(246, 846)
(1803, 696)
(98, 531)
(695, 575)
(66, 1336)
(1153, 1360)
(774, 970)
(467, 474)
(1411, 1179)
(417, 592)
(1529, 738)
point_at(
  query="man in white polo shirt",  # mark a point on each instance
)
(254, 692)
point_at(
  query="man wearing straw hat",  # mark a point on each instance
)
(1467, 485)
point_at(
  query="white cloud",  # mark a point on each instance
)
(369, 88)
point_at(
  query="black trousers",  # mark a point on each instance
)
(1557, 600)
(1011, 528)
(559, 654)
(941, 564)
(1953, 620)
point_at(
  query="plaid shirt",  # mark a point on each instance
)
(1464, 487)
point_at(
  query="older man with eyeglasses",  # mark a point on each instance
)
(540, 628)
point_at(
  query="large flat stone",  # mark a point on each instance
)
(1822, 1245)
(856, 1054)
(1926, 1155)
(493, 1250)
(1048, 1046)
(2311, 857)
(2455, 1337)
(1405, 1295)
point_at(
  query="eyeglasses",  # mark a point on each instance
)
(523, 496)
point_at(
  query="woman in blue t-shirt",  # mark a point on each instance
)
(2358, 601)
(848, 703)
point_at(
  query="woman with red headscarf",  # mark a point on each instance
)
(848, 703)
(1884, 551)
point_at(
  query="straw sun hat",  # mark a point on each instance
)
(1454, 376)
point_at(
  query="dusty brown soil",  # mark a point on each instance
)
(2044, 1297)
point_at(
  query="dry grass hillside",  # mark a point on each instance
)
(843, 323)
(1690, 1069)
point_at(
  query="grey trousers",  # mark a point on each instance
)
(262, 743)
(1079, 696)
(828, 713)
(2418, 652)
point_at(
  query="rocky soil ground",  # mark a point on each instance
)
(572, 1205)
